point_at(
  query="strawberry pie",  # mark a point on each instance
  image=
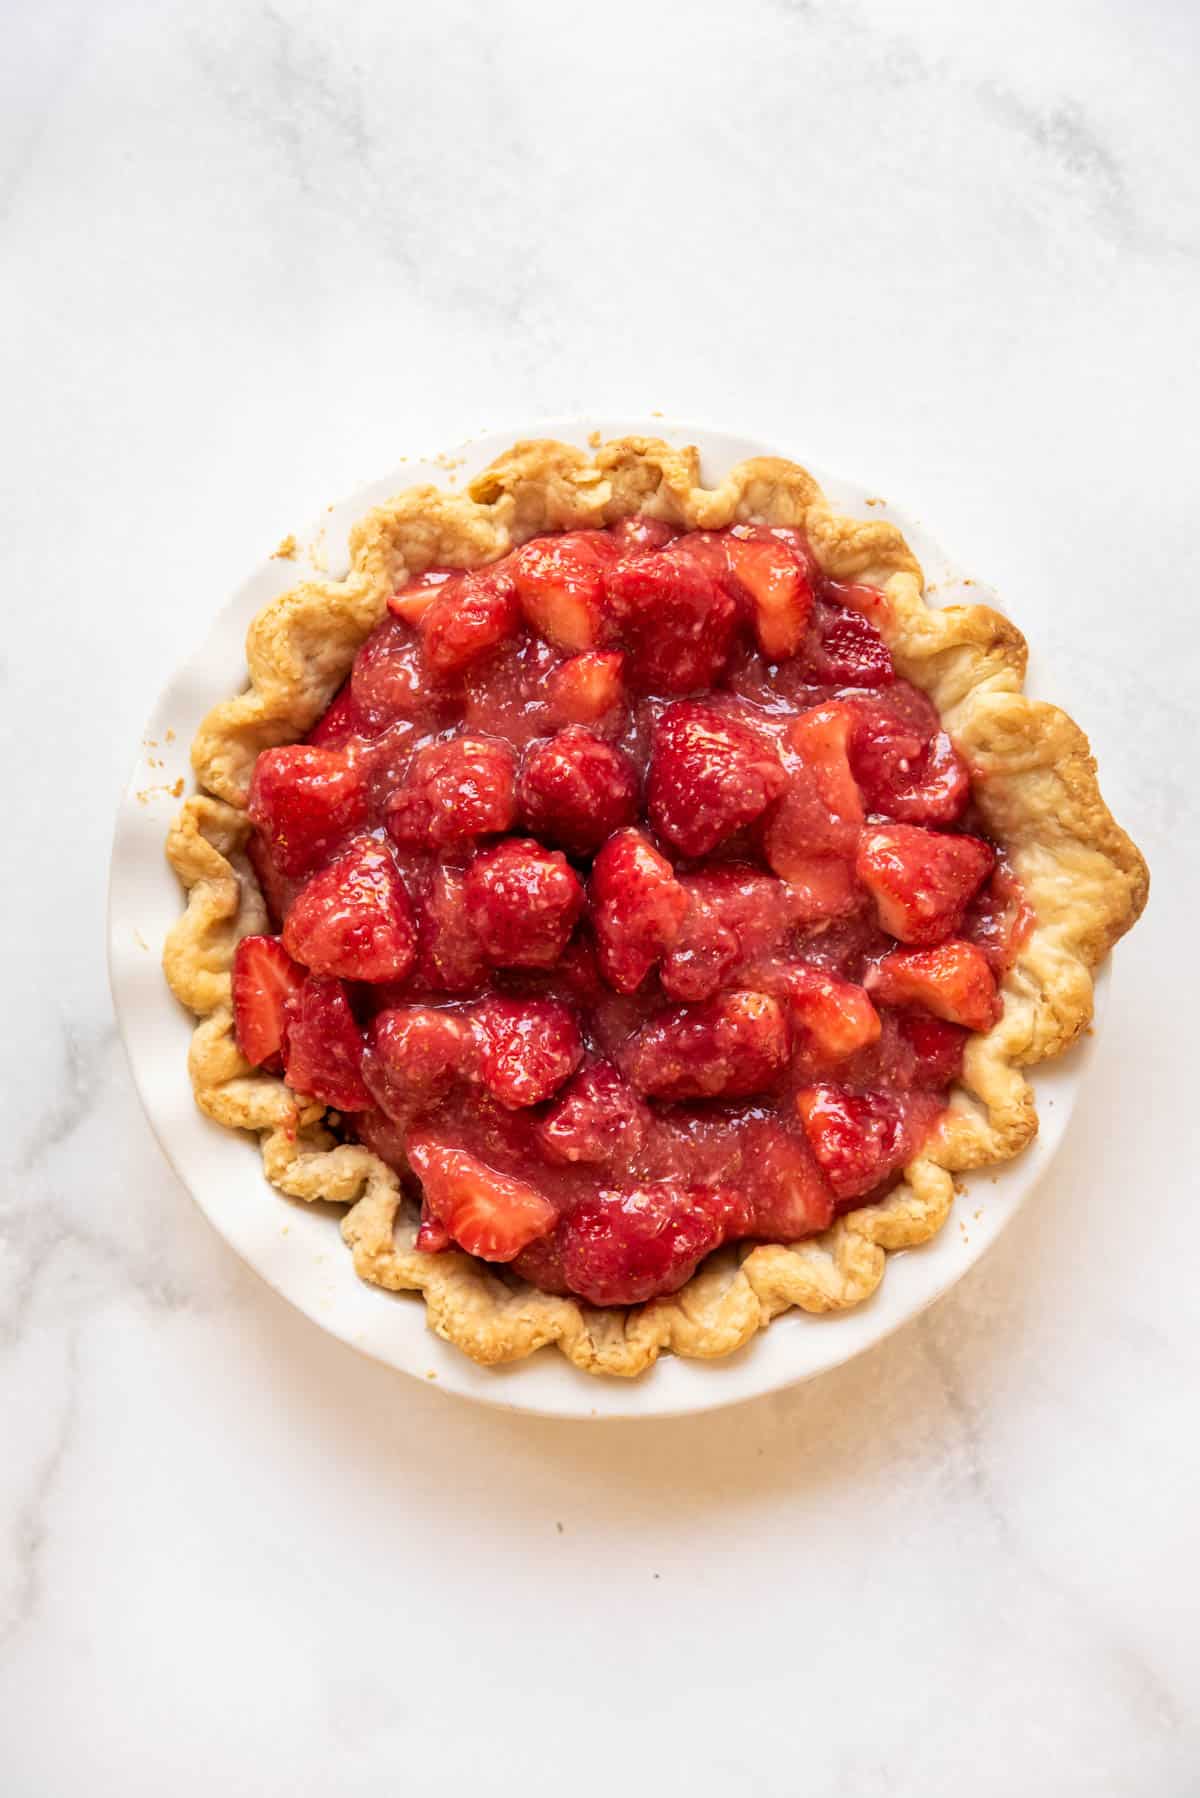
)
(635, 901)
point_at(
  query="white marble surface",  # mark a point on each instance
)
(255, 252)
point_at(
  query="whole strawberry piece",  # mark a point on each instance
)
(304, 800)
(576, 790)
(675, 620)
(624, 1247)
(710, 774)
(637, 906)
(455, 792)
(526, 1048)
(523, 902)
(730, 1047)
(353, 919)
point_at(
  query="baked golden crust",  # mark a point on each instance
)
(1034, 783)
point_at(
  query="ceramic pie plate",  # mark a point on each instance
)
(296, 1248)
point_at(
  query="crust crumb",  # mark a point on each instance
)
(286, 552)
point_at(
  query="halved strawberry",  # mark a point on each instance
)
(470, 615)
(861, 1138)
(811, 835)
(921, 880)
(586, 687)
(560, 584)
(304, 800)
(488, 1214)
(837, 1014)
(637, 906)
(263, 976)
(413, 600)
(787, 1193)
(954, 981)
(353, 919)
(779, 586)
(323, 1045)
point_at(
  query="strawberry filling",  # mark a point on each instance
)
(628, 904)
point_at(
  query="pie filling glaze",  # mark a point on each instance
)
(629, 901)
(634, 901)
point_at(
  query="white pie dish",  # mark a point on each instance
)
(298, 1250)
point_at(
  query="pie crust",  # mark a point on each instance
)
(1034, 785)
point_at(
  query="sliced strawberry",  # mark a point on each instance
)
(305, 800)
(788, 1195)
(596, 1118)
(730, 1047)
(413, 600)
(953, 981)
(263, 976)
(354, 919)
(637, 906)
(523, 902)
(488, 1214)
(455, 792)
(341, 723)
(323, 1045)
(560, 584)
(452, 957)
(576, 790)
(414, 1054)
(624, 1247)
(860, 1139)
(675, 620)
(471, 614)
(921, 880)
(779, 585)
(526, 1048)
(844, 649)
(710, 775)
(937, 1047)
(837, 1014)
(586, 688)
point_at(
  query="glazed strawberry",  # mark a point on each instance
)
(414, 1053)
(710, 775)
(522, 902)
(953, 981)
(596, 1118)
(675, 620)
(278, 891)
(779, 586)
(383, 1136)
(413, 600)
(451, 955)
(263, 976)
(904, 763)
(304, 800)
(637, 906)
(353, 918)
(624, 1247)
(488, 1214)
(343, 723)
(455, 792)
(844, 649)
(323, 1045)
(837, 1015)
(560, 584)
(576, 790)
(639, 535)
(587, 688)
(787, 1194)
(858, 1138)
(921, 880)
(998, 919)
(471, 615)
(526, 1048)
(728, 1047)
(811, 836)
(390, 679)
(937, 1047)
(734, 913)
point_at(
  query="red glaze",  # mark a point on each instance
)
(610, 1039)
